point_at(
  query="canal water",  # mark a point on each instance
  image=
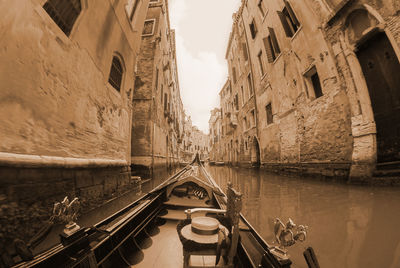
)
(348, 226)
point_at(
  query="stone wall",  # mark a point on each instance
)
(156, 125)
(29, 191)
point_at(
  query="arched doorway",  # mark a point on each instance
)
(255, 153)
(380, 67)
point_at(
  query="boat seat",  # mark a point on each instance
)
(206, 238)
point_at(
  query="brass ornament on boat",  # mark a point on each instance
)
(67, 212)
(287, 235)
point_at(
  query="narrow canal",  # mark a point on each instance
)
(349, 226)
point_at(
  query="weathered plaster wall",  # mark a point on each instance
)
(153, 122)
(64, 129)
(55, 97)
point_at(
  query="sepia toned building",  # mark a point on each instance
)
(67, 80)
(199, 143)
(193, 141)
(214, 136)
(325, 98)
(157, 121)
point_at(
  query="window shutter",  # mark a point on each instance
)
(284, 24)
(291, 13)
(268, 49)
(274, 40)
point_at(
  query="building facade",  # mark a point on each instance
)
(317, 75)
(214, 124)
(67, 87)
(157, 126)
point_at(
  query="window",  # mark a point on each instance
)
(289, 20)
(312, 81)
(165, 102)
(132, 6)
(271, 45)
(250, 84)
(244, 123)
(317, 85)
(244, 50)
(148, 28)
(253, 29)
(116, 72)
(259, 56)
(243, 97)
(261, 8)
(64, 13)
(234, 74)
(268, 110)
(253, 118)
(236, 101)
(156, 82)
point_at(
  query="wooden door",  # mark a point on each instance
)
(381, 69)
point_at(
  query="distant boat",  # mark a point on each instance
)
(150, 232)
(219, 163)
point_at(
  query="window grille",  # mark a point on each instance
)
(116, 72)
(64, 13)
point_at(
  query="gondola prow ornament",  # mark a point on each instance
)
(287, 236)
(67, 212)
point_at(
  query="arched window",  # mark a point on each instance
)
(64, 13)
(116, 72)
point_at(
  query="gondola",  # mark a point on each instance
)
(150, 231)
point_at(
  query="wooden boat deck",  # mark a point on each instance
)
(173, 214)
(166, 250)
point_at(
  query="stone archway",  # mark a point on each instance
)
(255, 153)
(380, 68)
(371, 53)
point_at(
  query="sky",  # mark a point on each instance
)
(202, 30)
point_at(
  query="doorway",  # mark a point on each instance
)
(381, 69)
(255, 153)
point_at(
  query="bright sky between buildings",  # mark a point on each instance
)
(202, 33)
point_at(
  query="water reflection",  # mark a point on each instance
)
(349, 226)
